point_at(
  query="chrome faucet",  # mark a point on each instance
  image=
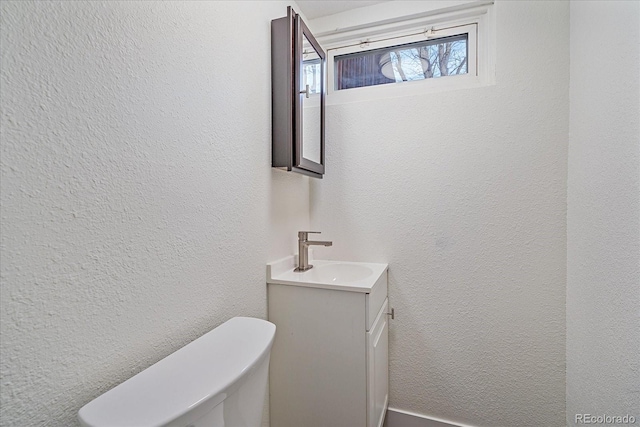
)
(303, 249)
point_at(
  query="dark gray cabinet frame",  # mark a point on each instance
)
(286, 99)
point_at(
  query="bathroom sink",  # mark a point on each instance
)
(340, 272)
(339, 275)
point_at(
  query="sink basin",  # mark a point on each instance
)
(340, 273)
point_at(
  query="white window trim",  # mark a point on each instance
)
(476, 20)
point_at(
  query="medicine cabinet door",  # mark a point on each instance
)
(310, 76)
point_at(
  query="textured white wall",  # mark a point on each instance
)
(138, 203)
(603, 231)
(464, 194)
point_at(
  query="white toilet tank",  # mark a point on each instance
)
(218, 380)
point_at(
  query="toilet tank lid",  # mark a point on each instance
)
(195, 374)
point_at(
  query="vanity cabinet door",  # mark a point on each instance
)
(378, 368)
(318, 370)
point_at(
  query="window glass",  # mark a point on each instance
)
(440, 57)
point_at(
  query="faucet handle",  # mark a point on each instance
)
(302, 235)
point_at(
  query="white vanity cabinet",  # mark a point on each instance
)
(329, 361)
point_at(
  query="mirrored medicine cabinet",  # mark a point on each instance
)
(298, 87)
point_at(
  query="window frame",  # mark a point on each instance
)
(479, 44)
(470, 30)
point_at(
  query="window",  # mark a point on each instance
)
(448, 53)
(439, 57)
(418, 50)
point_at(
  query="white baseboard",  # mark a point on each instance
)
(399, 418)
